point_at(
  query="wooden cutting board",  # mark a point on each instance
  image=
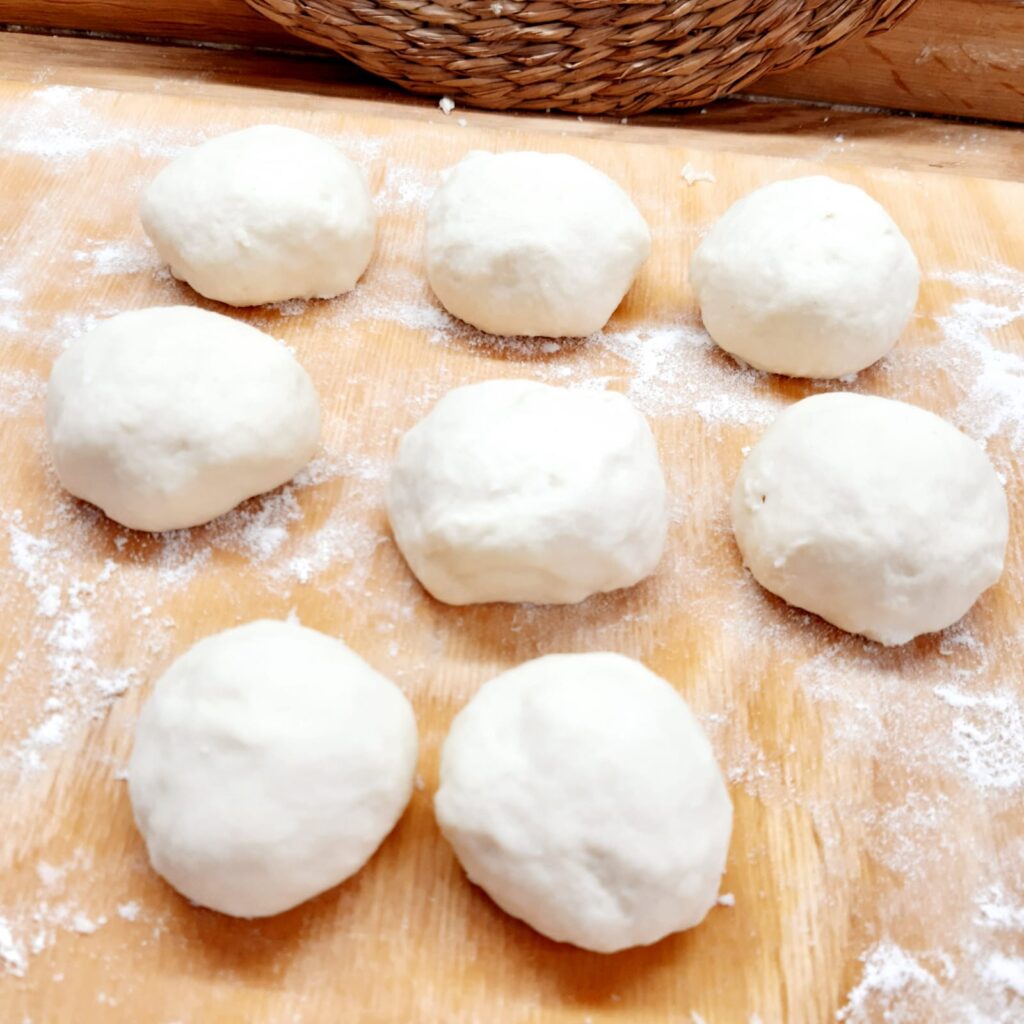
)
(876, 864)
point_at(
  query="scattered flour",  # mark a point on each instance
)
(85, 925)
(58, 125)
(105, 258)
(892, 987)
(692, 176)
(404, 188)
(291, 307)
(1005, 971)
(938, 730)
(9, 322)
(19, 391)
(987, 737)
(898, 987)
(12, 951)
(996, 909)
(129, 911)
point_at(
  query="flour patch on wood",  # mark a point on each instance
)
(692, 175)
(104, 258)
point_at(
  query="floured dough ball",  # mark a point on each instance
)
(262, 215)
(168, 417)
(806, 277)
(510, 490)
(876, 515)
(533, 244)
(269, 764)
(579, 791)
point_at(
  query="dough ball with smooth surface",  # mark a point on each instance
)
(806, 277)
(876, 515)
(511, 490)
(270, 762)
(168, 417)
(579, 791)
(538, 244)
(262, 215)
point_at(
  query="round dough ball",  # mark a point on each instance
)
(807, 277)
(579, 791)
(876, 515)
(168, 417)
(533, 244)
(510, 490)
(269, 764)
(262, 215)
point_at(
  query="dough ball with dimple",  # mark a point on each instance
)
(579, 791)
(270, 762)
(262, 215)
(168, 417)
(511, 490)
(533, 244)
(806, 277)
(876, 515)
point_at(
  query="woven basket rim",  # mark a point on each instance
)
(583, 56)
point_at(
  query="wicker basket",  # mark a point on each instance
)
(587, 56)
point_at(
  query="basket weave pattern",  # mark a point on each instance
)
(584, 56)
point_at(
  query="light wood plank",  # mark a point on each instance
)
(854, 824)
(781, 128)
(215, 21)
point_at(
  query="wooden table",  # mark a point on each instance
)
(876, 869)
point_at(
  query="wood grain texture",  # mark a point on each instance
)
(780, 128)
(960, 57)
(956, 57)
(408, 939)
(214, 21)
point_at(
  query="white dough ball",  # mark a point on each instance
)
(269, 764)
(262, 215)
(533, 244)
(579, 791)
(806, 277)
(510, 490)
(168, 417)
(876, 515)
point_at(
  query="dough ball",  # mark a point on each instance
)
(876, 515)
(166, 418)
(510, 490)
(269, 764)
(533, 244)
(808, 277)
(262, 215)
(579, 791)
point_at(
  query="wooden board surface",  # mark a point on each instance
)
(876, 859)
(958, 57)
(776, 128)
